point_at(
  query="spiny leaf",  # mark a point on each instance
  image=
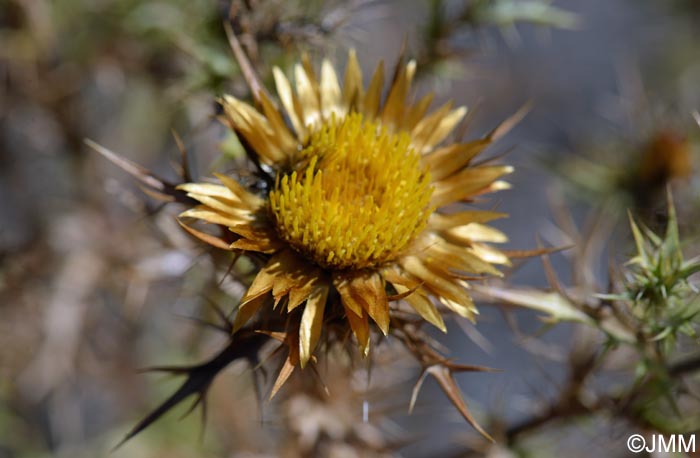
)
(672, 239)
(642, 257)
(551, 303)
(243, 345)
(558, 307)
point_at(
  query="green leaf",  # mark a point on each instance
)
(558, 307)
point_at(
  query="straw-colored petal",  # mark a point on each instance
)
(376, 302)
(341, 283)
(418, 111)
(360, 327)
(262, 284)
(264, 280)
(418, 299)
(464, 307)
(450, 159)
(331, 98)
(222, 198)
(394, 108)
(394, 275)
(353, 91)
(247, 310)
(421, 303)
(251, 200)
(440, 221)
(300, 292)
(290, 102)
(295, 280)
(308, 67)
(444, 128)
(208, 189)
(311, 323)
(255, 128)
(261, 239)
(474, 232)
(425, 128)
(222, 205)
(261, 246)
(490, 254)
(444, 255)
(435, 281)
(284, 137)
(466, 183)
(364, 292)
(215, 217)
(373, 96)
(308, 98)
(498, 185)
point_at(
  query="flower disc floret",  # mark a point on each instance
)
(357, 197)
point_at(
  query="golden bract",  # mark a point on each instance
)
(356, 207)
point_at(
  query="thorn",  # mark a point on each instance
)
(161, 188)
(184, 163)
(235, 259)
(536, 252)
(550, 274)
(416, 390)
(505, 126)
(225, 319)
(199, 377)
(244, 63)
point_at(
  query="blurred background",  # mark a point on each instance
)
(97, 280)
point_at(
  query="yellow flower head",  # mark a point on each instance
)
(355, 216)
(358, 198)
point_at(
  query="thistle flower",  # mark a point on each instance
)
(354, 217)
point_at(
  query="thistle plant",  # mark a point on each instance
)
(327, 224)
(345, 221)
(657, 286)
(650, 320)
